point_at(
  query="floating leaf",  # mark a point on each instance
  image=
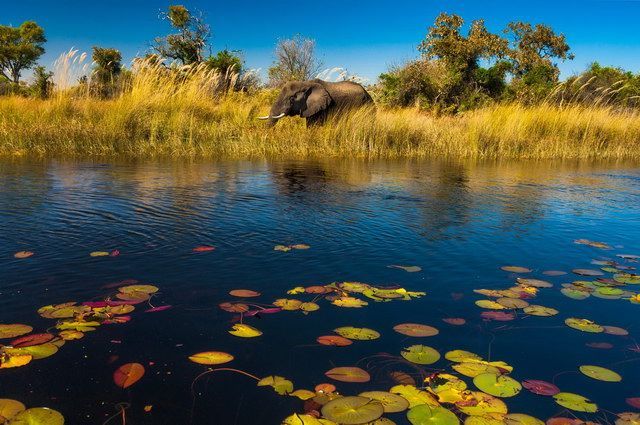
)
(392, 403)
(575, 402)
(325, 388)
(421, 354)
(316, 290)
(575, 294)
(628, 418)
(361, 334)
(244, 331)
(17, 359)
(588, 272)
(408, 269)
(554, 273)
(297, 290)
(349, 302)
(488, 304)
(289, 305)
(600, 373)
(414, 396)
(428, 415)
(38, 416)
(37, 352)
(211, 357)
(204, 248)
(158, 309)
(303, 394)
(630, 279)
(460, 356)
(520, 419)
(514, 303)
(516, 269)
(348, 374)
(416, 329)
(633, 402)
(71, 335)
(309, 306)
(594, 244)
(128, 374)
(99, 254)
(234, 307)
(23, 254)
(583, 325)
(9, 408)
(499, 316)
(541, 387)
(282, 248)
(281, 385)
(301, 419)
(497, 385)
(477, 403)
(33, 339)
(472, 370)
(352, 410)
(77, 325)
(12, 331)
(456, 321)
(146, 289)
(334, 340)
(538, 310)
(244, 293)
(300, 246)
(614, 330)
(357, 287)
(537, 283)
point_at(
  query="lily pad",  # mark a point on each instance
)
(600, 373)
(537, 283)
(414, 396)
(128, 374)
(615, 330)
(301, 419)
(348, 374)
(497, 385)
(244, 293)
(9, 408)
(541, 387)
(288, 304)
(521, 419)
(281, 385)
(421, 354)
(575, 293)
(334, 340)
(416, 329)
(14, 330)
(349, 302)
(538, 310)
(352, 410)
(588, 272)
(575, 402)
(361, 334)
(460, 356)
(583, 325)
(244, 331)
(514, 303)
(516, 269)
(392, 403)
(491, 305)
(476, 403)
(22, 254)
(428, 415)
(211, 357)
(38, 416)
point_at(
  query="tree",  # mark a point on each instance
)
(225, 61)
(42, 84)
(20, 49)
(444, 41)
(536, 47)
(108, 65)
(189, 43)
(295, 61)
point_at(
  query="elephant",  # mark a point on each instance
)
(316, 100)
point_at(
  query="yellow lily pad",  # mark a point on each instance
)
(244, 331)
(360, 334)
(38, 416)
(281, 385)
(538, 310)
(490, 305)
(289, 305)
(352, 410)
(421, 354)
(600, 373)
(392, 403)
(583, 325)
(14, 330)
(460, 356)
(497, 385)
(414, 396)
(349, 302)
(476, 403)
(211, 357)
(575, 402)
(9, 408)
(303, 394)
(429, 415)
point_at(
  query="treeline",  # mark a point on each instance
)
(458, 70)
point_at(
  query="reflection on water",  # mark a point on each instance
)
(459, 221)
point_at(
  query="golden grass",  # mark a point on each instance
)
(170, 114)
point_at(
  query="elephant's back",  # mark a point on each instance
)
(348, 92)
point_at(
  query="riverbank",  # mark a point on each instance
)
(139, 124)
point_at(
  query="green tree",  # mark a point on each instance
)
(295, 61)
(535, 47)
(444, 41)
(226, 61)
(108, 65)
(190, 41)
(20, 49)
(42, 84)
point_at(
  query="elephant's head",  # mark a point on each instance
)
(303, 98)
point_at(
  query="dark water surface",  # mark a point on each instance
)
(459, 222)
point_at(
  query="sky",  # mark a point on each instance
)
(363, 37)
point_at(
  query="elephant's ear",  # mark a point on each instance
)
(318, 99)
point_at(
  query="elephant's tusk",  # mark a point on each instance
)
(264, 118)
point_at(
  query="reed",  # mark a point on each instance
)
(189, 113)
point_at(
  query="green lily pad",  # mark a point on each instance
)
(497, 385)
(428, 415)
(38, 416)
(600, 373)
(421, 354)
(352, 410)
(575, 402)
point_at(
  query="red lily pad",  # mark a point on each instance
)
(633, 402)
(455, 321)
(334, 340)
(31, 340)
(588, 272)
(541, 387)
(128, 374)
(157, 309)
(499, 316)
(244, 293)
(204, 248)
(234, 307)
(599, 345)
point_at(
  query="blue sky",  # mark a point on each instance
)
(364, 37)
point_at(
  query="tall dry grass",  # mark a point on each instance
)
(188, 112)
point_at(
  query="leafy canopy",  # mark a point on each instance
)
(20, 48)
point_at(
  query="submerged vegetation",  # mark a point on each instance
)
(474, 95)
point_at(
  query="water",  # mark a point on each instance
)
(459, 222)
